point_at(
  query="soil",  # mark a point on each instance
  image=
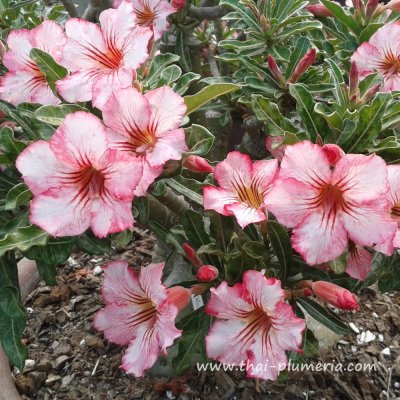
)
(70, 360)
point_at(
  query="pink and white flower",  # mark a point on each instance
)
(394, 200)
(256, 322)
(152, 14)
(24, 81)
(381, 54)
(243, 188)
(102, 58)
(138, 313)
(147, 126)
(77, 181)
(327, 205)
(359, 262)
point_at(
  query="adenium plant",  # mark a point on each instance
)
(99, 131)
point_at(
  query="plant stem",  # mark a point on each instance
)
(71, 8)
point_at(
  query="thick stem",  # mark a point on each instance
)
(71, 8)
(172, 201)
(209, 13)
(94, 9)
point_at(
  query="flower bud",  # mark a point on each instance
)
(333, 152)
(335, 295)
(273, 145)
(319, 10)
(178, 4)
(393, 5)
(207, 273)
(368, 95)
(276, 71)
(353, 81)
(191, 255)
(358, 5)
(179, 296)
(307, 60)
(197, 164)
(371, 6)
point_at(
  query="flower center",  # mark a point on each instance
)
(396, 212)
(146, 15)
(331, 198)
(251, 196)
(390, 65)
(89, 180)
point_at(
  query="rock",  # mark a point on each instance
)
(62, 315)
(66, 380)
(44, 366)
(386, 351)
(60, 361)
(94, 341)
(224, 385)
(29, 365)
(53, 378)
(354, 328)
(30, 383)
(97, 270)
(63, 348)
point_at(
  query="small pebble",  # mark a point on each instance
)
(354, 328)
(397, 385)
(29, 364)
(97, 270)
(375, 315)
(386, 351)
(369, 337)
(353, 349)
(380, 337)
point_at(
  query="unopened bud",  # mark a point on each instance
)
(276, 71)
(358, 5)
(371, 6)
(198, 164)
(265, 24)
(191, 255)
(333, 152)
(207, 273)
(2, 50)
(393, 5)
(354, 80)
(369, 94)
(179, 296)
(178, 4)
(320, 10)
(303, 65)
(335, 295)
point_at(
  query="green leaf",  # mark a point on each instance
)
(281, 244)
(338, 81)
(338, 11)
(199, 140)
(92, 244)
(183, 83)
(47, 257)
(122, 238)
(182, 50)
(310, 345)
(17, 196)
(195, 101)
(54, 115)
(193, 225)
(12, 324)
(9, 146)
(48, 66)
(183, 190)
(9, 270)
(314, 123)
(323, 315)
(170, 75)
(368, 31)
(23, 238)
(257, 251)
(158, 65)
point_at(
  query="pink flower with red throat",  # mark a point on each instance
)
(152, 14)
(147, 126)
(329, 205)
(102, 58)
(138, 313)
(24, 82)
(394, 200)
(77, 181)
(256, 322)
(381, 54)
(243, 188)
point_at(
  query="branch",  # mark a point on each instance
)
(71, 8)
(209, 13)
(94, 9)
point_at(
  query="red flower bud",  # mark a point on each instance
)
(393, 5)
(179, 296)
(207, 273)
(275, 70)
(178, 4)
(197, 164)
(371, 6)
(354, 80)
(191, 255)
(319, 10)
(333, 152)
(307, 60)
(335, 295)
(357, 5)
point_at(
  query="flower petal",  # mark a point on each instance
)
(361, 178)
(49, 37)
(367, 58)
(149, 176)
(150, 281)
(136, 47)
(215, 198)
(320, 237)
(78, 86)
(121, 284)
(60, 212)
(394, 184)
(167, 109)
(264, 174)
(228, 302)
(359, 263)
(80, 140)
(40, 168)
(235, 172)
(166, 330)
(245, 214)
(19, 46)
(169, 145)
(369, 224)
